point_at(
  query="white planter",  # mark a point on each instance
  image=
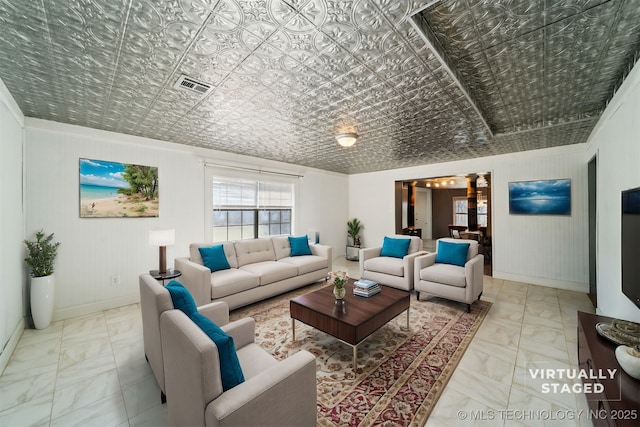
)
(42, 295)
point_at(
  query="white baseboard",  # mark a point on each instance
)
(542, 281)
(95, 307)
(7, 351)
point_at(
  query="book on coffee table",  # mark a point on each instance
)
(365, 283)
(367, 292)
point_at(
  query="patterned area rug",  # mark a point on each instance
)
(400, 374)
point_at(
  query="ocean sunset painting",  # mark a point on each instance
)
(546, 197)
(111, 189)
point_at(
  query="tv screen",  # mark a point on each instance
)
(631, 244)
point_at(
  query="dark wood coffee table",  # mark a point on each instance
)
(351, 321)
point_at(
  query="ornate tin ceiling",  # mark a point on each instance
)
(420, 82)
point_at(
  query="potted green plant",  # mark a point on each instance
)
(353, 231)
(338, 279)
(40, 260)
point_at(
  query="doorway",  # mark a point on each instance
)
(423, 212)
(427, 207)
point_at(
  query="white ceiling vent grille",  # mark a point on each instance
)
(192, 85)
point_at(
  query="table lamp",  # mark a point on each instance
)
(162, 239)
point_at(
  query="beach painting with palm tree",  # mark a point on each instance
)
(545, 197)
(117, 190)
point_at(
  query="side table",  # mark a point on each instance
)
(618, 402)
(167, 275)
(353, 253)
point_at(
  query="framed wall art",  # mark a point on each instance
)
(117, 190)
(544, 197)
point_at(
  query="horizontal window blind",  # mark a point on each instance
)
(244, 209)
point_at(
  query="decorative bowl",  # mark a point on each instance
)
(629, 360)
(625, 332)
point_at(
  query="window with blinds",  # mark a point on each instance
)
(460, 210)
(250, 209)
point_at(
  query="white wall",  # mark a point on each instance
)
(13, 283)
(95, 249)
(544, 250)
(616, 142)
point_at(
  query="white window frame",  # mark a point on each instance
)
(211, 172)
(482, 197)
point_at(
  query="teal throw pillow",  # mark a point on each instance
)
(230, 369)
(397, 248)
(214, 258)
(181, 297)
(299, 245)
(452, 253)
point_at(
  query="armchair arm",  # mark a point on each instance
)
(283, 395)
(196, 278)
(217, 312)
(409, 261)
(242, 331)
(422, 261)
(473, 271)
(323, 251)
(368, 253)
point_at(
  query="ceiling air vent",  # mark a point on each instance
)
(192, 85)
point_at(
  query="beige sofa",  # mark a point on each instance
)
(390, 271)
(455, 282)
(260, 268)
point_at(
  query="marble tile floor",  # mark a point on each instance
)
(91, 371)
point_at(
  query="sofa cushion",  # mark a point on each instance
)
(299, 245)
(271, 271)
(251, 251)
(181, 298)
(452, 253)
(232, 281)
(397, 248)
(447, 274)
(415, 244)
(254, 360)
(306, 263)
(229, 252)
(214, 258)
(281, 246)
(230, 370)
(386, 265)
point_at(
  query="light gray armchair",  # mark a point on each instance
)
(274, 393)
(462, 283)
(388, 270)
(154, 300)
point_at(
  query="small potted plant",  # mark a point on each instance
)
(353, 232)
(40, 260)
(338, 279)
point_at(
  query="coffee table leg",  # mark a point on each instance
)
(293, 329)
(355, 358)
(407, 318)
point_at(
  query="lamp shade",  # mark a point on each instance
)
(162, 237)
(347, 139)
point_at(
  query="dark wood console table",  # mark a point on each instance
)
(619, 402)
